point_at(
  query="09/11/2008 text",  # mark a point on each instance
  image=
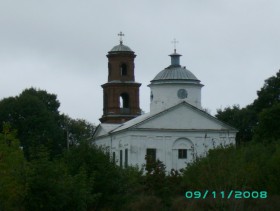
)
(235, 194)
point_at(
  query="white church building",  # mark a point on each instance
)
(175, 131)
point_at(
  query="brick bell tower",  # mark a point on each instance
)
(121, 92)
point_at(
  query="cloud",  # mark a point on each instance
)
(61, 46)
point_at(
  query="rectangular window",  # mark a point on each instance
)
(121, 158)
(126, 158)
(182, 153)
(151, 155)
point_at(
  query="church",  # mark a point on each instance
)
(175, 131)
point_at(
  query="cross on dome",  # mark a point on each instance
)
(174, 41)
(121, 35)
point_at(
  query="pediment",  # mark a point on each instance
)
(183, 117)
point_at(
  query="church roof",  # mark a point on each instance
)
(121, 48)
(175, 71)
(105, 128)
(140, 120)
(143, 118)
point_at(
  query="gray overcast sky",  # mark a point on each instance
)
(232, 46)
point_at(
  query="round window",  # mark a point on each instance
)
(182, 93)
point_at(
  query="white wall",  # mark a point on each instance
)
(165, 95)
(197, 144)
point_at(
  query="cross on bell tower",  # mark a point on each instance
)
(121, 92)
(121, 35)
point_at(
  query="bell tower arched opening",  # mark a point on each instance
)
(124, 100)
(123, 69)
(124, 103)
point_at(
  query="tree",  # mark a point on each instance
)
(51, 185)
(35, 115)
(12, 169)
(251, 118)
(268, 128)
(110, 183)
(242, 119)
(269, 93)
(77, 130)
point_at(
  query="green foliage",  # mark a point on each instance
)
(273, 171)
(50, 186)
(12, 167)
(110, 185)
(155, 176)
(35, 115)
(145, 202)
(269, 93)
(45, 186)
(160, 184)
(245, 168)
(243, 119)
(254, 167)
(268, 129)
(262, 115)
(202, 173)
(77, 130)
(45, 181)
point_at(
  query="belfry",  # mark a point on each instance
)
(121, 92)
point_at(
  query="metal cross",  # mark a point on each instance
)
(174, 43)
(121, 35)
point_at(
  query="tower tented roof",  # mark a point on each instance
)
(120, 48)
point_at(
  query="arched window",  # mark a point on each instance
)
(184, 146)
(123, 69)
(124, 100)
